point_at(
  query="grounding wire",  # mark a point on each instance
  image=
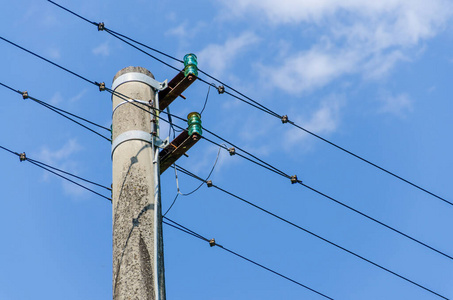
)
(309, 232)
(194, 234)
(48, 169)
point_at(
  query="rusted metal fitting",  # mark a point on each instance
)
(196, 136)
(232, 151)
(294, 179)
(212, 242)
(22, 156)
(285, 119)
(221, 89)
(101, 26)
(102, 86)
(25, 95)
(209, 183)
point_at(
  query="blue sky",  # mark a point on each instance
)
(373, 77)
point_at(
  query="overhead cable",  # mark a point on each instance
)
(60, 111)
(213, 243)
(248, 100)
(55, 171)
(308, 231)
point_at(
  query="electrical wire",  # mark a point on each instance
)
(62, 113)
(281, 173)
(269, 168)
(53, 170)
(184, 229)
(309, 232)
(196, 189)
(251, 102)
(206, 101)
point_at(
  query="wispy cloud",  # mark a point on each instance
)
(217, 57)
(398, 105)
(359, 37)
(60, 155)
(103, 49)
(323, 120)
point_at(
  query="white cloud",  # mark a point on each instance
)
(54, 157)
(103, 49)
(217, 57)
(78, 96)
(324, 120)
(56, 99)
(398, 105)
(54, 53)
(358, 37)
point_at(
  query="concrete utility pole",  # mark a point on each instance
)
(138, 270)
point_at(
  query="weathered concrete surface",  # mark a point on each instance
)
(133, 197)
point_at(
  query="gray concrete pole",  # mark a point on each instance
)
(138, 270)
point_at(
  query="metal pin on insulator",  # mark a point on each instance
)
(212, 242)
(102, 86)
(221, 89)
(232, 151)
(101, 26)
(285, 119)
(209, 183)
(294, 179)
(22, 156)
(25, 95)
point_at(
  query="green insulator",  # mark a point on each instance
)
(191, 69)
(190, 59)
(194, 122)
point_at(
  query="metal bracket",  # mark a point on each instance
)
(140, 77)
(138, 135)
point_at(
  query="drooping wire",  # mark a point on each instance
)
(206, 101)
(253, 103)
(55, 171)
(273, 169)
(62, 113)
(261, 164)
(181, 169)
(184, 229)
(196, 189)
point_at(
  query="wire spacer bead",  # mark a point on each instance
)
(232, 151)
(285, 119)
(101, 26)
(212, 242)
(294, 179)
(102, 86)
(209, 183)
(25, 95)
(22, 157)
(221, 89)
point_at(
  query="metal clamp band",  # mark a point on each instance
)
(140, 77)
(138, 135)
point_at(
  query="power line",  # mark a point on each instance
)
(193, 191)
(249, 101)
(213, 243)
(49, 61)
(309, 232)
(294, 179)
(61, 112)
(53, 170)
(267, 167)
